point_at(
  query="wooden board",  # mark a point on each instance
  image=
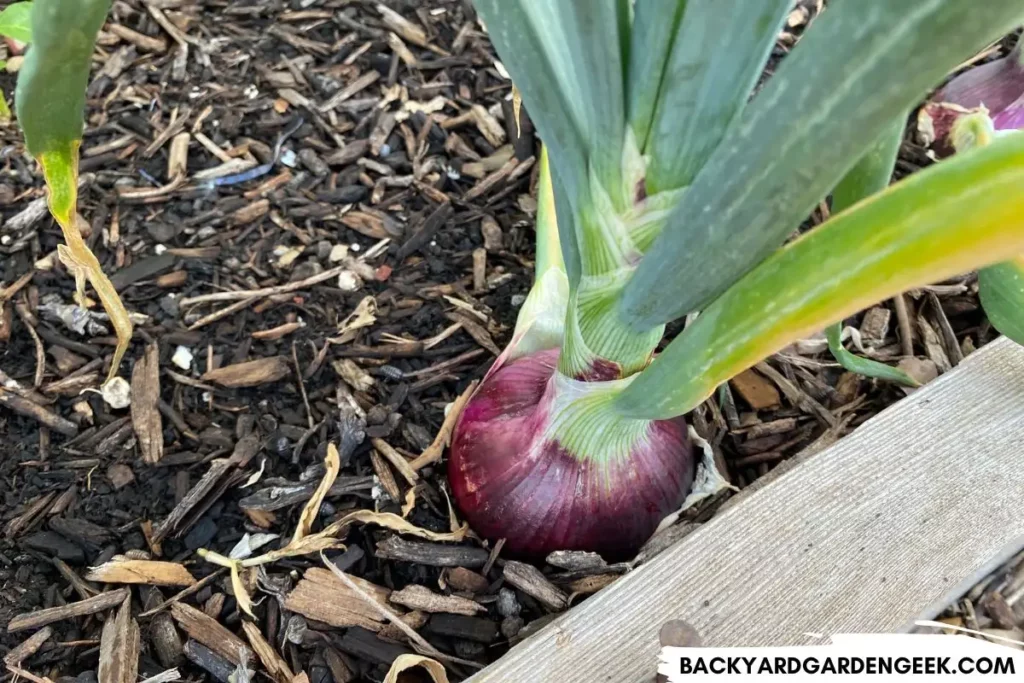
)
(868, 535)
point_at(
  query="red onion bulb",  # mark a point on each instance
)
(540, 460)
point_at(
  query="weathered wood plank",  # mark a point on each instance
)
(865, 536)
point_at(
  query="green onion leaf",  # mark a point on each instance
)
(565, 224)
(955, 216)
(716, 58)
(869, 175)
(50, 95)
(1002, 295)
(873, 171)
(566, 60)
(50, 101)
(859, 66)
(863, 366)
(16, 21)
(654, 29)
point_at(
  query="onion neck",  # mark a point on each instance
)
(581, 418)
(612, 241)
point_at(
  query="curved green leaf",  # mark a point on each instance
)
(716, 58)
(863, 366)
(869, 175)
(1002, 295)
(565, 59)
(948, 219)
(16, 21)
(50, 101)
(860, 65)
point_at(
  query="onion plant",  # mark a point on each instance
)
(674, 193)
(50, 101)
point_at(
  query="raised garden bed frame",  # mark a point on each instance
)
(887, 526)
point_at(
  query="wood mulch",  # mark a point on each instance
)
(992, 609)
(321, 215)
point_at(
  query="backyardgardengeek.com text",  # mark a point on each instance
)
(924, 665)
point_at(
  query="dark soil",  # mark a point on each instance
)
(416, 160)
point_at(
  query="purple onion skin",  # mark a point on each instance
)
(538, 496)
(996, 85)
(1011, 118)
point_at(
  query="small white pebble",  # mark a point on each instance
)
(182, 358)
(518, 299)
(117, 393)
(354, 247)
(338, 253)
(159, 249)
(348, 281)
(289, 158)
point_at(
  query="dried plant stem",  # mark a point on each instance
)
(265, 291)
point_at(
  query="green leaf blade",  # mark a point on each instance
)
(50, 95)
(655, 23)
(715, 61)
(565, 58)
(830, 97)
(16, 21)
(961, 214)
(1001, 288)
(536, 61)
(869, 175)
(873, 171)
(863, 366)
